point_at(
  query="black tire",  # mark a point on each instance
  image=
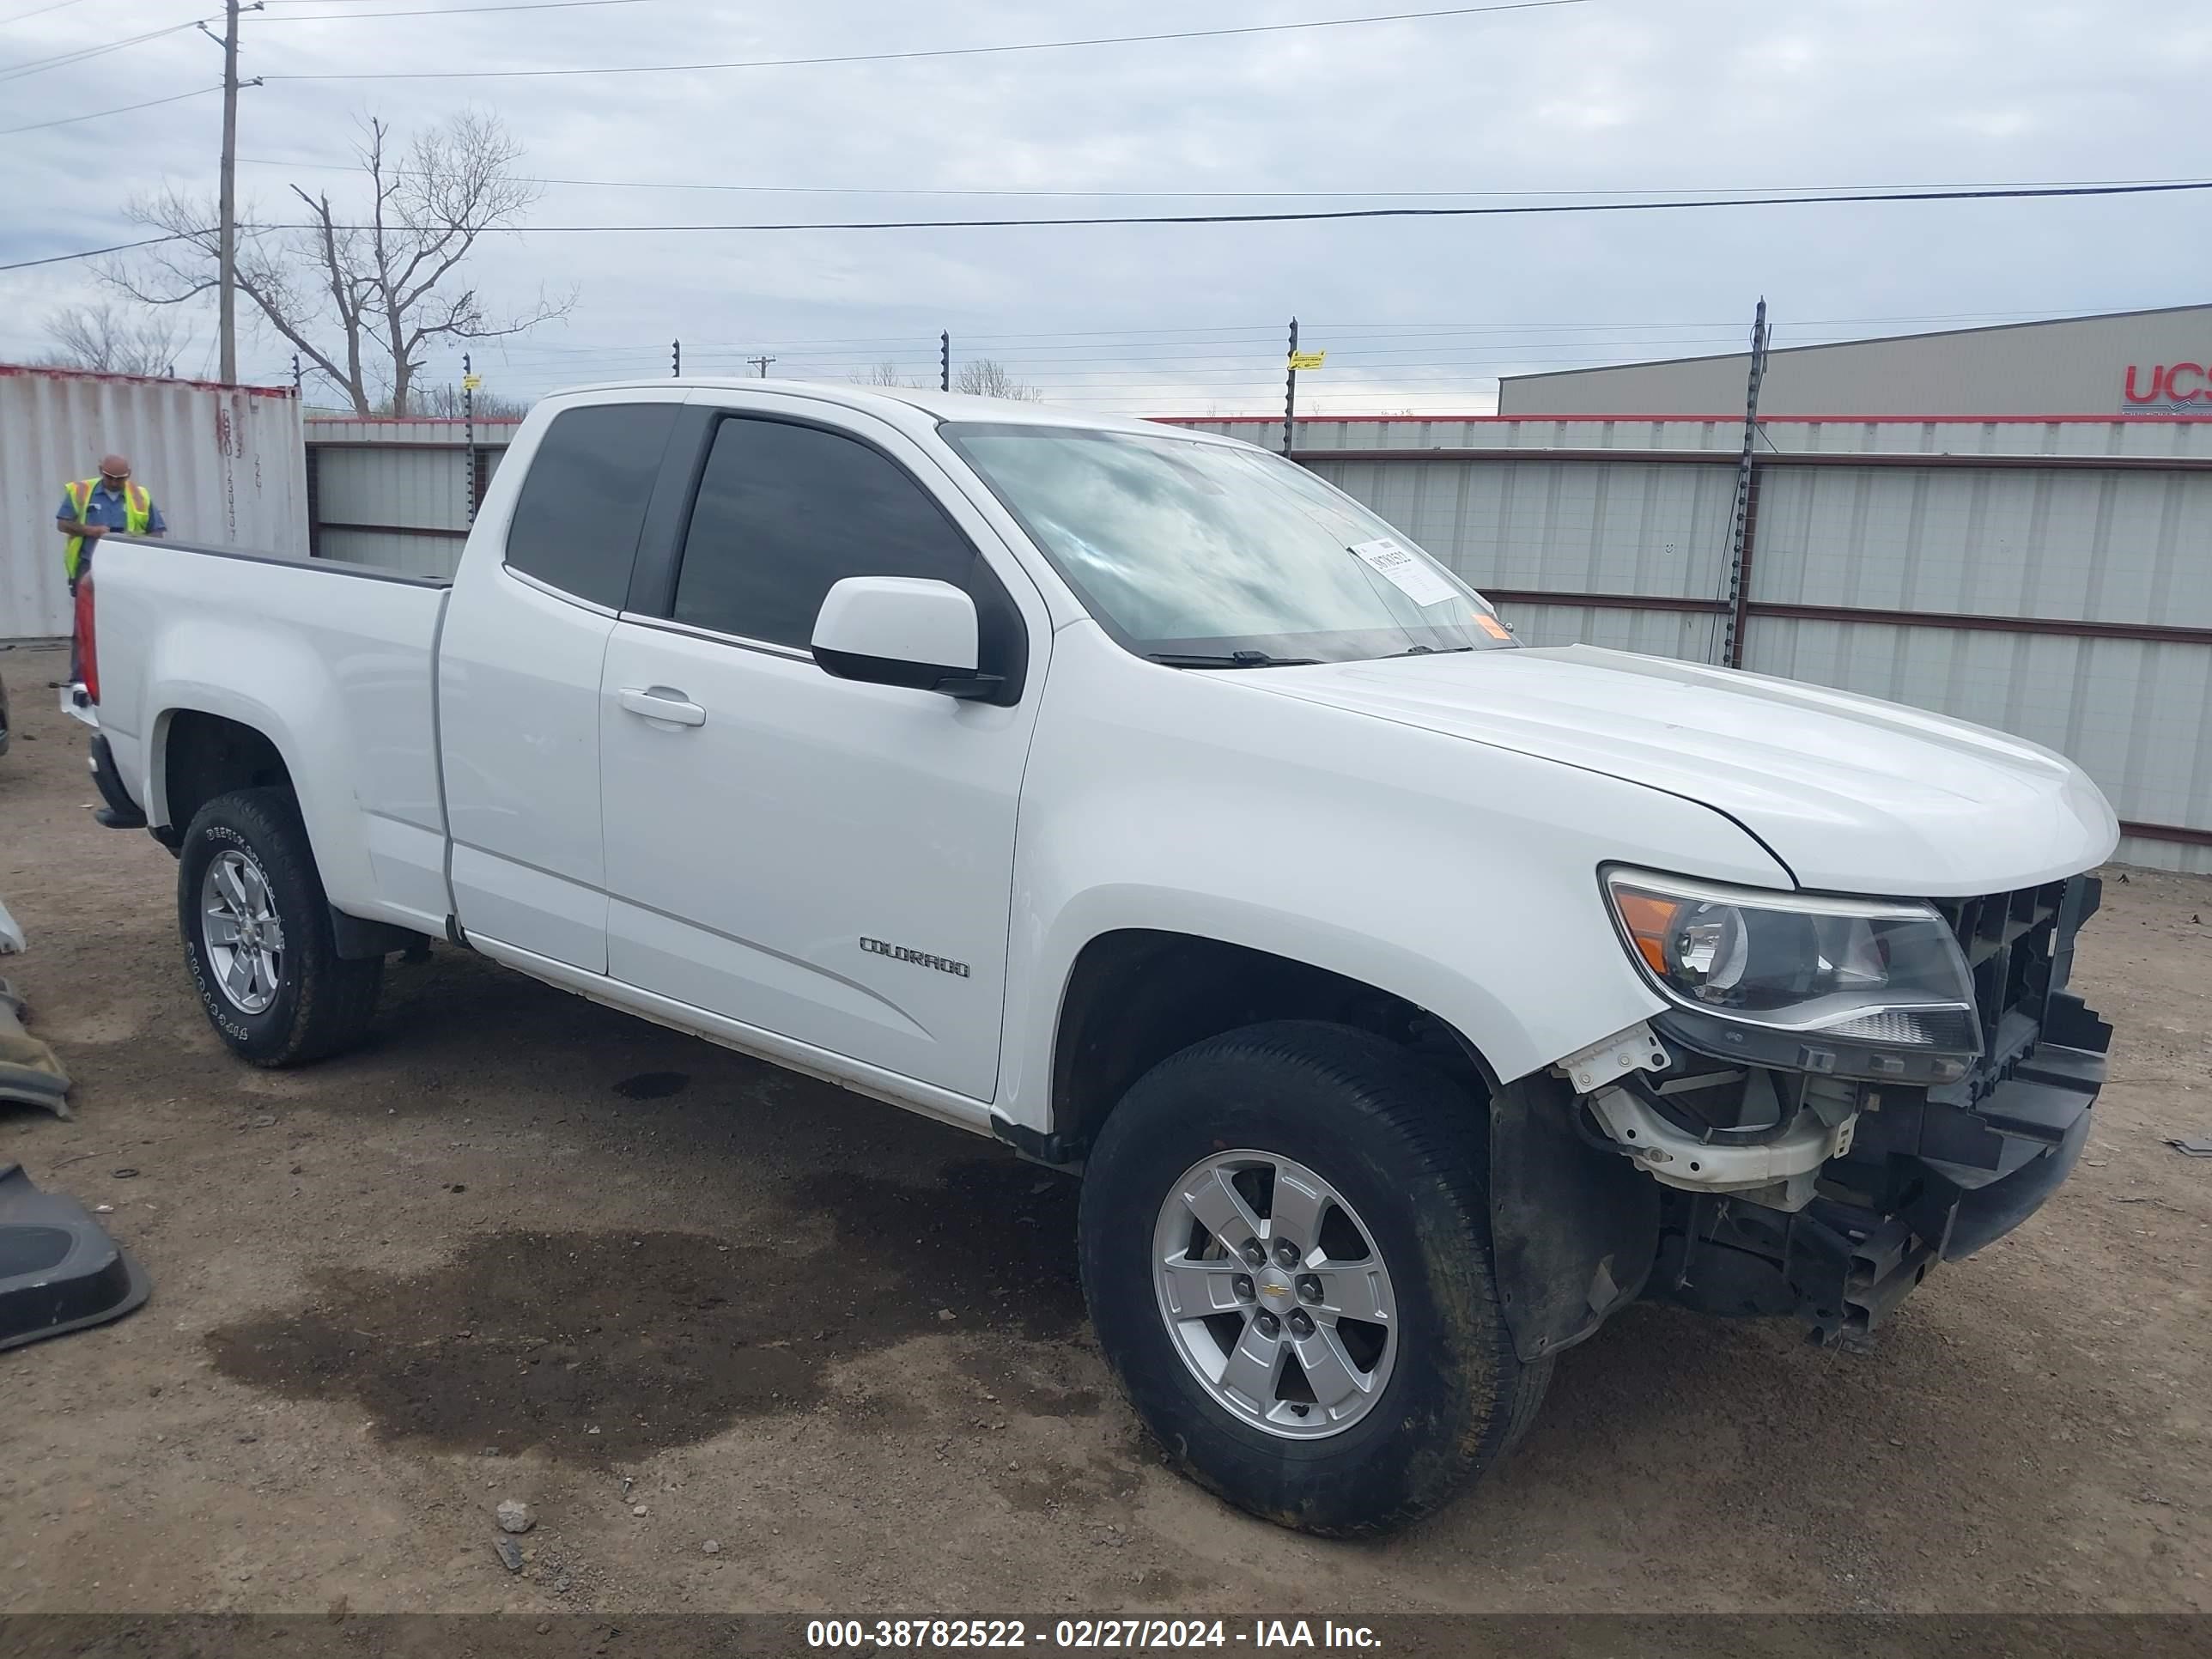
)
(323, 1003)
(1399, 1142)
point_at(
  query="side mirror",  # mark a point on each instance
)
(902, 630)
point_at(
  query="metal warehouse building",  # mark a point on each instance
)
(2129, 362)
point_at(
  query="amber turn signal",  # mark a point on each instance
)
(1649, 919)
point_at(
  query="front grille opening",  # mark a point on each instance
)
(2012, 944)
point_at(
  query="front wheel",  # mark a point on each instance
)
(258, 937)
(1283, 1246)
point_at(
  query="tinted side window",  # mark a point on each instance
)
(576, 521)
(784, 511)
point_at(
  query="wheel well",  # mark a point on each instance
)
(206, 756)
(1139, 995)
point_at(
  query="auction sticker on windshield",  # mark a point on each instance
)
(1412, 575)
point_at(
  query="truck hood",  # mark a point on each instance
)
(1853, 795)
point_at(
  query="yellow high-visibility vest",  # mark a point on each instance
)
(137, 514)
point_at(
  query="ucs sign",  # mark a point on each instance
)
(2177, 388)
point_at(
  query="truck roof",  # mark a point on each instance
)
(910, 406)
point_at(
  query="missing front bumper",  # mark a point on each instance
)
(1924, 1180)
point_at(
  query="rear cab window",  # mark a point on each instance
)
(584, 499)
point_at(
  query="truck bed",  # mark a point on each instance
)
(334, 662)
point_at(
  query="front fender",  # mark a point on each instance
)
(1460, 877)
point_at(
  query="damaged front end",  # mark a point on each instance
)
(1819, 1166)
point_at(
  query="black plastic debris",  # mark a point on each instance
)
(58, 1272)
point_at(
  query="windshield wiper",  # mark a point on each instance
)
(1228, 660)
(1432, 650)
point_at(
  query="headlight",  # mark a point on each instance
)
(1866, 973)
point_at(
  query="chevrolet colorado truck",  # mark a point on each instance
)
(1409, 1000)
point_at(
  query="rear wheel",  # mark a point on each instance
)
(1284, 1248)
(257, 931)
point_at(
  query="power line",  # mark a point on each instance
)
(1451, 352)
(17, 71)
(1109, 353)
(1682, 204)
(1242, 334)
(438, 11)
(1222, 331)
(37, 11)
(935, 52)
(1207, 194)
(99, 114)
(89, 253)
(1238, 218)
(2042, 314)
(1270, 363)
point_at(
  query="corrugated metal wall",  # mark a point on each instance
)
(224, 464)
(395, 493)
(1610, 527)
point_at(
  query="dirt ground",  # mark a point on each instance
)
(526, 1247)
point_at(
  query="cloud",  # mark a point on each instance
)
(1618, 94)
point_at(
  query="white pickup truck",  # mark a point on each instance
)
(1409, 1000)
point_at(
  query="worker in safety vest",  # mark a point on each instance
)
(92, 506)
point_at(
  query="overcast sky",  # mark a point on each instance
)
(1602, 96)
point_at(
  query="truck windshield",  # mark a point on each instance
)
(1212, 555)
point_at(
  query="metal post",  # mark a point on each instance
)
(468, 429)
(676, 359)
(227, 233)
(1744, 526)
(945, 360)
(1290, 389)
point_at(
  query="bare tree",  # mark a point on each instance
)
(885, 373)
(443, 402)
(116, 340)
(364, 298)
(986, 377)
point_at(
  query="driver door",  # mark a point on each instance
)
(825, 860)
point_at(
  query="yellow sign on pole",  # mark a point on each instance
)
(1307, 359)
(471, 381)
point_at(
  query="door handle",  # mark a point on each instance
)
(660, 704)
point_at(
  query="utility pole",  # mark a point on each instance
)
(1744, 526)
(945, 360)
(676, 359)
(226, 206)
(1291, 389)
(226, 254)
(761, 363)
